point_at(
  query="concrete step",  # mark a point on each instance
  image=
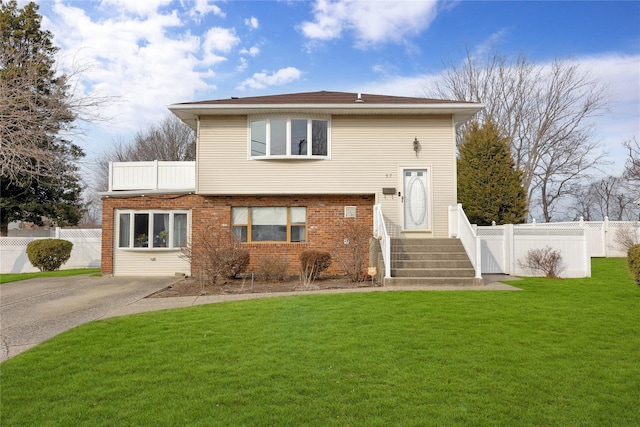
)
(440, 241)
(428, 256)
(427, 249)
(432, 272)
(433, 281)
(432, 263)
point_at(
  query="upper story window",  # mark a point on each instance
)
(152, 229)
(289, 138)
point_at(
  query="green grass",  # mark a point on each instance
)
(559, 353)
(15, 277)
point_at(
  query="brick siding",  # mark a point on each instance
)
(325, 230)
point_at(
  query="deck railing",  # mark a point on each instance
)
(156, 175)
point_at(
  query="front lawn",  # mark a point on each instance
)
(559, 353)
(15, 277)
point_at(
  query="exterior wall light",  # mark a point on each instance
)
(416, 145)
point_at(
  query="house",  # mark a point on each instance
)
(286, 173)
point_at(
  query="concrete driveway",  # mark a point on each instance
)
(32, 311)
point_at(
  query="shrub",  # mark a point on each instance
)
(232, 261)
(352, 248)
(49, 254)
(273, 269)
(627, 237)
(312, 263)
(633, 258)
(216, 255)
(545, 260)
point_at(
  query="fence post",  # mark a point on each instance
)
(57, 232)
(478, 274)
(587, 254)
(605, 236)
(508, 249)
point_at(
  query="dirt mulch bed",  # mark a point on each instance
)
(192, 287)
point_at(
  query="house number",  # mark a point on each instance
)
(389, 175)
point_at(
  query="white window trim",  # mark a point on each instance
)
(288, 118)
(150, 212)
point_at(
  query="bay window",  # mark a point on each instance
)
(269, 224)
(152, 229)
(288, 138)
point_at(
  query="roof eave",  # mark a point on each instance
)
(189, 113)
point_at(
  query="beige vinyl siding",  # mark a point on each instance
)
(222, 153)
(136, 262)
(367, 153)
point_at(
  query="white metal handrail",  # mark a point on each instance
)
(380, 233)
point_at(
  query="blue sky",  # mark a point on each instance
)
(151, 53)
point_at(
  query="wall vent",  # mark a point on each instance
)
(349, 211)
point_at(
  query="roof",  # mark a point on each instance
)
(327, 103)
(322, 97)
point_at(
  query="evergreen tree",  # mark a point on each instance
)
(489, 186)
(39, 177)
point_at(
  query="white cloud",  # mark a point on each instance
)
(202, 8)
(264, 79)
(252, 23)
(371, 22)
(136, 60)
(218, 40)
(140, 8)
(243, 65)
(491, 42)
(621, 73)
(398, 85)
(252, 51)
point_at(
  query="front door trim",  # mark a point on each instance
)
(415, 182)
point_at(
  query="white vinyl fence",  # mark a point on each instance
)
(86, 250)
(603, 236)
(501, 248)
(505, 245)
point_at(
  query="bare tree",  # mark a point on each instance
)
(543, 109)
(609, 197)
(632, 167)
(169, 140)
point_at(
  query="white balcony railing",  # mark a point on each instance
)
(156, 175)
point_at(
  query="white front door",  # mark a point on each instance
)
(415, 199)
